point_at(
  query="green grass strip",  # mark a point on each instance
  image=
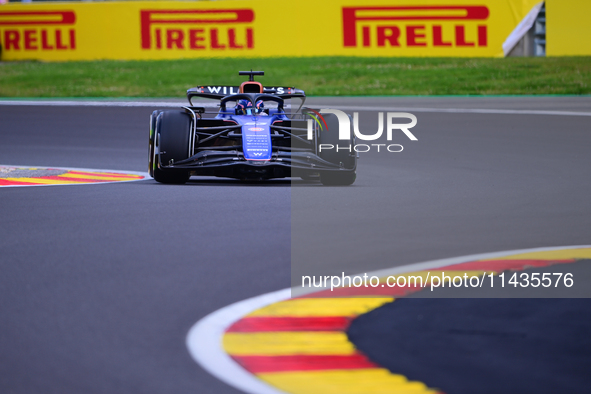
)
(324, 76)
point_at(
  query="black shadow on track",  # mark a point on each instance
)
(485, 345)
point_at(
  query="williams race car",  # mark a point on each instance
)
(253, 136)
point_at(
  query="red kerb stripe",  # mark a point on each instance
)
(268, 324)
(4, 182)
(262, 364)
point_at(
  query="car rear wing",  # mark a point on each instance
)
(219, 92)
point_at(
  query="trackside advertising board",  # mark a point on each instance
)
(569, 28)
(264, 28)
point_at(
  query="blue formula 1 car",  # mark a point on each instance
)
(251, 137)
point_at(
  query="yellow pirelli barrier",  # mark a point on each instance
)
(264, 28)
(568, 27)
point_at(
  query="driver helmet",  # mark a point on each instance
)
(243, 107)
(260, 108)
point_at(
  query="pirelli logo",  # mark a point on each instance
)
(37, 30)
(223, 29)
(415, 26)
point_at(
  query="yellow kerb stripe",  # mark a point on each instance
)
(322, 307)
(40, 181)
(287, 343)
(95, 177)
(562, 254)
(358, 381)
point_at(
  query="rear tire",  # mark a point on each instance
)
(173, 130)
(343, 158)
(153, 119)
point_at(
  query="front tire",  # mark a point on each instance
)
(173, 130)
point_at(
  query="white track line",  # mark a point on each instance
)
(170, 104)
(466, 110)
(144, 174)
(204, 339)
(83, 103)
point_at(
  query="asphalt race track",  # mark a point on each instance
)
(101, 283)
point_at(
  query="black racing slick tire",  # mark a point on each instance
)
(345, 156)
(173, 130)
(151, 162)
